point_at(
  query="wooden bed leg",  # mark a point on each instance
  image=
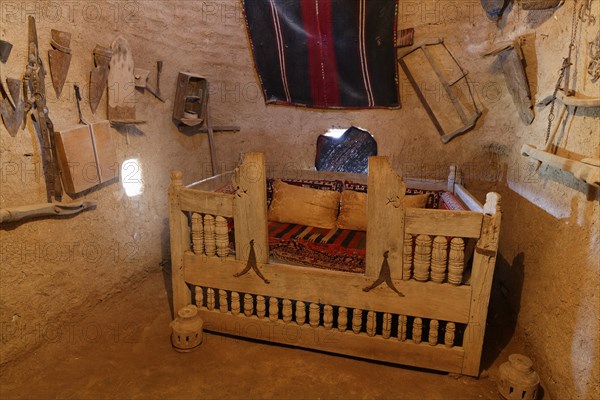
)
(179, 238)
(484, 263)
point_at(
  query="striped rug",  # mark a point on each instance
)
(325, 53)
(337, 249)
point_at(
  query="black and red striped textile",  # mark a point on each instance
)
(325, 53)
(335, 249)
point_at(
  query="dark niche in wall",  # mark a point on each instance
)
(348, 152)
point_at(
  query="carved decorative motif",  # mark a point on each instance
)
(300, 313)
(407, 257)
(356, 320)
(221, 237)
(261, 307)
(386, 328)
(456, 264)
(248, 305)
(328, 316)
(210, 245)
(235, 303)
(199, 295)
(210, 299)
(449, 335)
(439, 259)
(342, 319)
(402, 327)
(197, 233)
(273, 309)
(417, 330)
(433, 332)
(313, 315)
(371, 323)
(422, 260)
(287, 311)
(223, 306)
(385, 275)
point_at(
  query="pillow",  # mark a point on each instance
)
(308, 183)
(353, 210)
(304, 206)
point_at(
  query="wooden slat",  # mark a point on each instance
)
(467, 198)
(180, 239)
(443, 223)
(250, 208)
(332, 340)
(206, 202)
(484, 263)
(385, 218)
(424, 299)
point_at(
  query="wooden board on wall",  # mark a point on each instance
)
(87, 156)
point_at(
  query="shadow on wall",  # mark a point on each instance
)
(505, 302)
(551, 288)
(166, 262)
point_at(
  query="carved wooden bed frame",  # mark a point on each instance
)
(395, 312)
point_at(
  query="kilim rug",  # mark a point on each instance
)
(325, 53)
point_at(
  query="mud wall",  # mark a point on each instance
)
(548, 271)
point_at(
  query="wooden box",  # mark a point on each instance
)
(87, 156)
(189, 108)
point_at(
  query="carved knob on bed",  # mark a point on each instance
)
(177, 178)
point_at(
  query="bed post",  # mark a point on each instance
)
(180, 237)
(484, 263)
(385, 218)
(250, 208)
(452, 178)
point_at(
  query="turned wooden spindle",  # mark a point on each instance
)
(287, 311)
(449, 335)
(223, 306)
(221, 237)
(197, 233)
(371, 323)
(328, 316)
(433, 332)
(439, 259)
(235, 303)
(386, 328)
(407, 257)
(402, 321)
(422, 260)
(356, 320)
(313, 315)
(417, 330)
(261, 307)
(273, 309)
(456, 264)
(210, 299)
(199, 296)
(210, 246)
(300, 313)
(342, 319)
(248, 305)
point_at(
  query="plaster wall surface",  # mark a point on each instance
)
(548, 266)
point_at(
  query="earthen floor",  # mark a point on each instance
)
(121, 349)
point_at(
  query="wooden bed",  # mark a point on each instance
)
(419, 302)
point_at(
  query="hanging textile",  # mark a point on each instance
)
(325, 53)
